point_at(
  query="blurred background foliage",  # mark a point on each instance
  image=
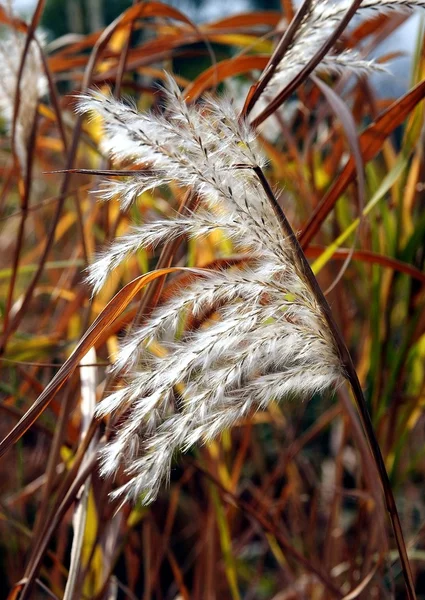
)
(84, 16)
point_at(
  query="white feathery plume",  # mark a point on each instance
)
(264, 337)
(318, 24)
(33, 86)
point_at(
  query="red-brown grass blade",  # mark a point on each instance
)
(372, 258)
(217, 73)
(275, 59)
(111, 311)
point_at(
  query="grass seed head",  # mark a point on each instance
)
(268, 340)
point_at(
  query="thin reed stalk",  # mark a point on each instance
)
(351, 375)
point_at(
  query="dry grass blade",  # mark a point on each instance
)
(111, 311)
(101, 42)
(29, 37)
(24, 205)
(88, 379)
(370, 257)
(221, 71)
(269, 525)
(27, 585)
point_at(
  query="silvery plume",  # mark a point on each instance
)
(32, 86)
(263, 336)
(319, 21)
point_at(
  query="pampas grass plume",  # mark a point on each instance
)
(269, 340)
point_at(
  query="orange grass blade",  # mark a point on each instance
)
(225, 68)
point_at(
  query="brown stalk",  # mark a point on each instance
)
(351, 376)
(41, 543)
(123, 59)
(6, 185)
(275, 59)
(106, 172)
(52, 462)
(58, 114)
(24, 215)
(54, 97)
(13, 325)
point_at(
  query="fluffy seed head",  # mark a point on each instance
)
(262, 336)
